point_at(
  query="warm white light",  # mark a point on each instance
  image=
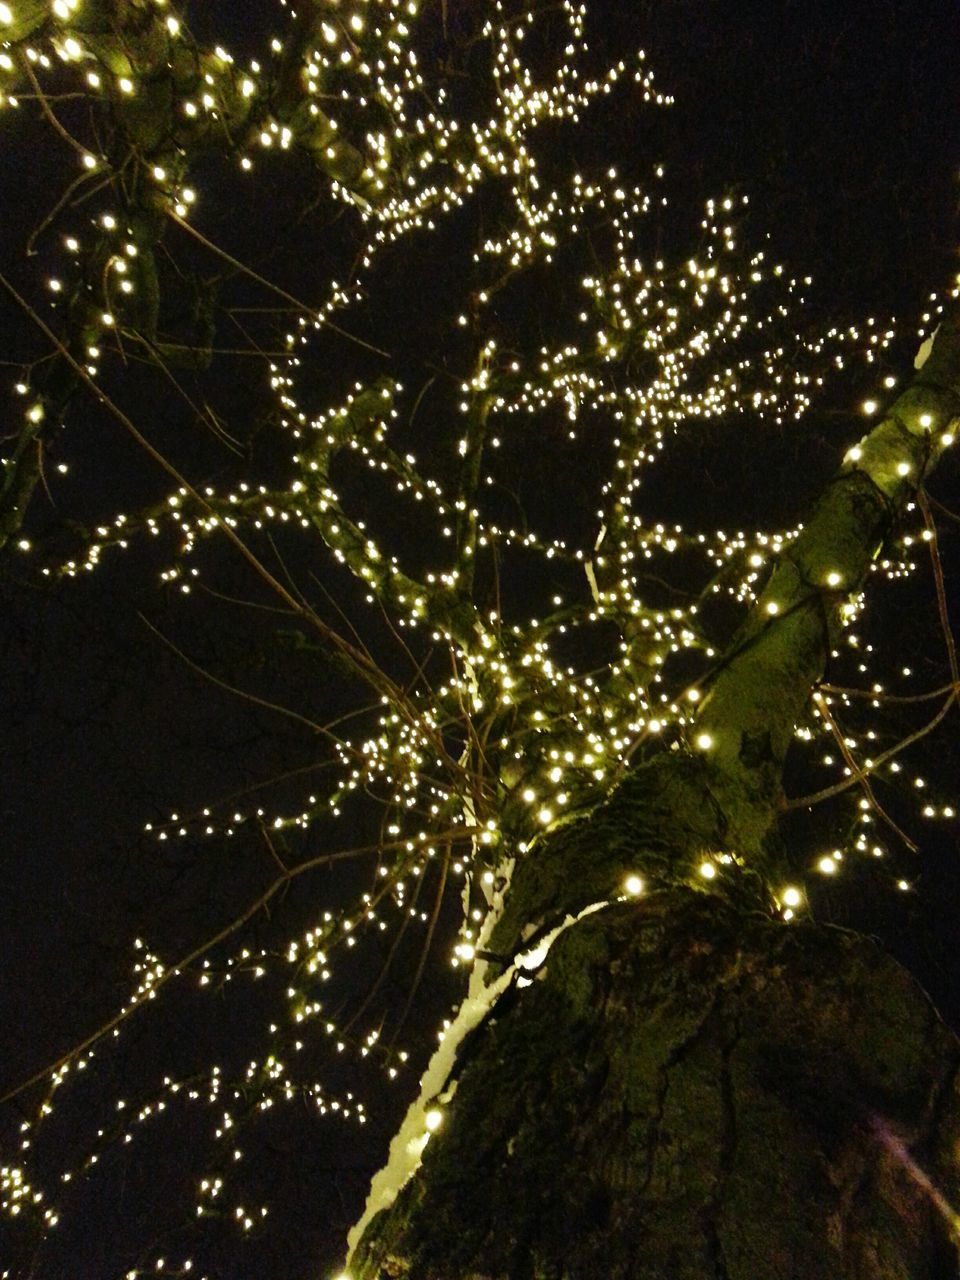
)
(633, 885)
(704, 741)
(433, 1120)
(792, 896)
(708, 870)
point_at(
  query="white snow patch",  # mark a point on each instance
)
(407, 1146)
(923, 355)
(409, 1142)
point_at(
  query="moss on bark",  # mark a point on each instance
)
(687, 1093)
(692, 1090)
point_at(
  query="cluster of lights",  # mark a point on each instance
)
(469, 767)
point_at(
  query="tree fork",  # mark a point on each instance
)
(689, 1090)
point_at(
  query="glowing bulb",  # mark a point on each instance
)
(903, 468)
(833, 579)
(704, 741)
(792, 896)
(828, 866)
(633, 886)
(869, 406)
(433, 1120)
(708, 870)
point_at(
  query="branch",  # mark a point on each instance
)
(285, 878)
(778, 656)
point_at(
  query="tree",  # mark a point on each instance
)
(662, 1064)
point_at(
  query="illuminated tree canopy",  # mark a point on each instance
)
(576, 772)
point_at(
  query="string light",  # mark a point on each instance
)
(474, 766)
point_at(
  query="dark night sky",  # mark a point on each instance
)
(840, 120)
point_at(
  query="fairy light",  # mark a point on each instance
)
(707, 331)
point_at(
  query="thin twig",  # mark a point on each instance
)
(274, 288)
(241, 693)
(48, 111)
(842, 691)
(415, 985)
(202, 413)
(371, 672)
(858, 774)
(272, 848)
(198, 952)
(837, 788)
(941, 589)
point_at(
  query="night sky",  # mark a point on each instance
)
(840, 121)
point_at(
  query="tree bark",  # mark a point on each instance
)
(691, 1094)
(691, 1089)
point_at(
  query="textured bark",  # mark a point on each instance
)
(689, 1093)
(693, 1090)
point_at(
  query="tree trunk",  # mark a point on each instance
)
(691, 1089)
(688, 1092)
